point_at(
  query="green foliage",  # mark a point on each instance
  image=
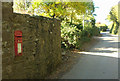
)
(86, 35)
(113, 16)
(93, 22)
(114, 28)
(60, 10)
(69, 34)
(103, 28)
(72, 37)
(96, 31)
(111, 26)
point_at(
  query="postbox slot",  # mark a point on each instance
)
(19, 41)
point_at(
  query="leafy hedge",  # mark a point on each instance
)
(69, 34)
(72, 37)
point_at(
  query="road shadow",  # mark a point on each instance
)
(94, 67)
(107, 34)
(99, 62)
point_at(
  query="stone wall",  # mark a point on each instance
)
(41, 45)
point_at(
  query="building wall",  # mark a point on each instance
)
(41, 45)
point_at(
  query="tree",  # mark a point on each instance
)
(113, 16)
(61, 10)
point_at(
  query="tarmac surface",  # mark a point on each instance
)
(100, 62)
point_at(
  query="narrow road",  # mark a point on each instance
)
(100, 62)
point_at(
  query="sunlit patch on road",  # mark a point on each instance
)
(100, 62)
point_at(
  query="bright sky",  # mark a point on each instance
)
(104, 9)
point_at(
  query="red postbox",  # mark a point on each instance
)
(18, 42)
